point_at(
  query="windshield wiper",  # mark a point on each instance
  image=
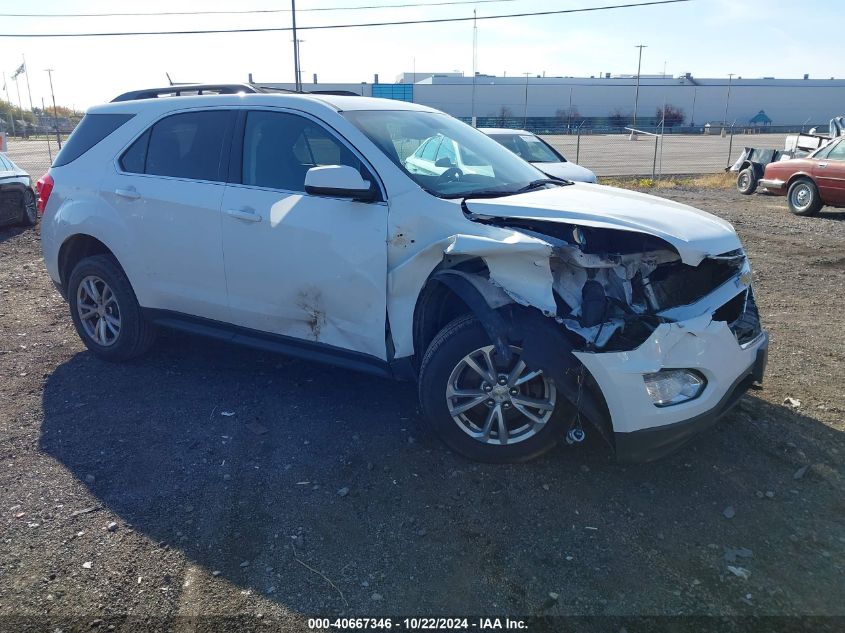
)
(543, 181)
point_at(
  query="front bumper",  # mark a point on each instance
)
(730, 356)
(771, 185)
(648, 445)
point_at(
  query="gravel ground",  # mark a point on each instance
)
(210, 480)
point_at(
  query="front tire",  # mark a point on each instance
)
(482, 407)
(803, 197)
(29, 208)
(105, 311)
(746, 181)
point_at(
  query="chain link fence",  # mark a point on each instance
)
(646, 155)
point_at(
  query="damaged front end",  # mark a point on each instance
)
(639, 341)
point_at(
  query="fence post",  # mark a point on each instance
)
(578, 147)
(654, 162)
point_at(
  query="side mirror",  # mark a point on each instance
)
(339, 181)
(443, 162)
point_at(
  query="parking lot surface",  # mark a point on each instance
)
(210, 480)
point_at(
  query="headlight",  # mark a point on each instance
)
(673, 386)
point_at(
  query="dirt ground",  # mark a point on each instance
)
(207, 480)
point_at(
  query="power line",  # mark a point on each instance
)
(250, 11)
(348, 26)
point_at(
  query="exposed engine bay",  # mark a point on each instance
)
(613, 288)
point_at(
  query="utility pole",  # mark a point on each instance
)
(474, 62)
(637, 93)
(525, 110)
(296, 75)
(49, 72)
(727, 100)
(299, 62)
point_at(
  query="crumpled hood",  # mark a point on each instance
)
(567, 171)
(694, 233)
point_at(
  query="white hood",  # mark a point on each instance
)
(694, 233)
(567, 171)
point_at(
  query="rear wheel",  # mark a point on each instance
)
(484, 407)
(29, 209)
(746, 181)
(105, 311)
(803, 197)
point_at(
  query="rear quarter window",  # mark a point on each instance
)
(91, 130)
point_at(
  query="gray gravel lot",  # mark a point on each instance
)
(210, 480)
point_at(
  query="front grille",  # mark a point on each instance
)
(742, 317)
(678, 284)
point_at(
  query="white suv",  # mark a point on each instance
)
(522, 305)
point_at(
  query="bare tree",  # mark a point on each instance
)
(670, 115)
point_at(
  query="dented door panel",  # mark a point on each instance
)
(307, 267)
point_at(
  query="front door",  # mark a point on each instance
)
(829, 173)
(302, 266)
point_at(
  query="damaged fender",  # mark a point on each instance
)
(518, 264)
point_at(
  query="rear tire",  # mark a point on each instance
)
(746, 181)
(105, 310)
(803, 197)
(29, 208)
(444, 366)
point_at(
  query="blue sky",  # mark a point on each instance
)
(709, 38)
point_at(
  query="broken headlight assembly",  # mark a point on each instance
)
(674, 386)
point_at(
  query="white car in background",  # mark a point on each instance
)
(543, 156)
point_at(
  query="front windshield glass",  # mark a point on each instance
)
(445, 157)
(528, 147)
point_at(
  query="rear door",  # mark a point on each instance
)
(308, 267)
(829, 174)
(168, 189)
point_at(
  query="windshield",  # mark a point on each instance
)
(445, 157)
(529, 147)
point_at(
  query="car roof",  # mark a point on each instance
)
(503, 130)
(338, 103)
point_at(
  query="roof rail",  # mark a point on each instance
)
(178, 90)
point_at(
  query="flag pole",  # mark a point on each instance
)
(28, 89)
(20, 104)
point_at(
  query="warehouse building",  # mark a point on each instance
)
(608, 101)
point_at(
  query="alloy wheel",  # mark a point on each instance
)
(497, 402)
(98, 310)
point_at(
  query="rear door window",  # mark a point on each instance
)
(187, 145)
(91, 130)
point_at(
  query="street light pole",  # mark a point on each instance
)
(727, 100)
(637, 92)
(297, 83)
(49, 72)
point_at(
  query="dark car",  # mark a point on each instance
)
(810, 183)
(17, 199)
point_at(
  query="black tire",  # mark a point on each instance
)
(135, 335)
(29, 208)
(804, 186)
(459, 338)
(746, 181)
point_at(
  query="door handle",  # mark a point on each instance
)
(822, 165)
(129, 194)
(247, 215)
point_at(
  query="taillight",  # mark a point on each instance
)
(44, 187)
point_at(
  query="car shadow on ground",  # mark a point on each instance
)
(283, 475)
(7, 231)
